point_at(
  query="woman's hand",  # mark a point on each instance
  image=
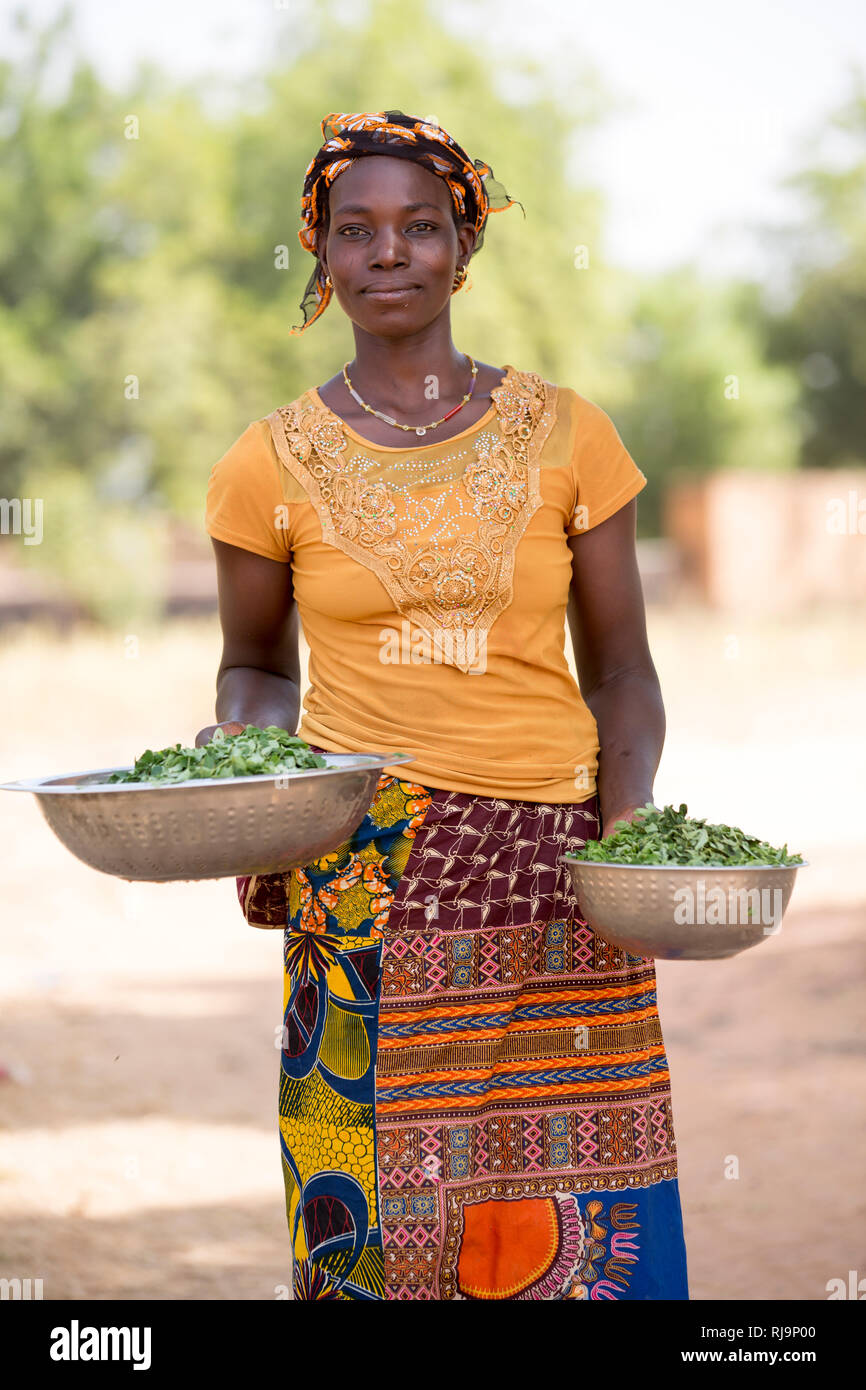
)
(627, 814)
(231, 726)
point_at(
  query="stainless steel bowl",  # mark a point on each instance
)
(677, 912)
(210, 827)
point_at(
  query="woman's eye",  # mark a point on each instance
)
(416, 226)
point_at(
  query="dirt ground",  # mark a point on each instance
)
(139, 1154)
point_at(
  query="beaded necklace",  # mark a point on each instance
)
(419, 429)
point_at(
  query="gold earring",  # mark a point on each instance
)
(459, 277)
(328, 283)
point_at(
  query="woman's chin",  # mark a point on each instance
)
(395, 319)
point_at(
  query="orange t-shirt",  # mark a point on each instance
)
(432, 580)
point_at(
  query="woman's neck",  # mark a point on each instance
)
(407, 376)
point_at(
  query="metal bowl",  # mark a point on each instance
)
(680, 912)
(209, 827)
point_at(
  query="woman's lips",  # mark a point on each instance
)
(391, 296)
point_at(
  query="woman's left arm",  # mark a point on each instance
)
(615, 670)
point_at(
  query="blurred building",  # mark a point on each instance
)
(770, 543)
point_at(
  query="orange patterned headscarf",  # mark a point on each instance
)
(474, 191)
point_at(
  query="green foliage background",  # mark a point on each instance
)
(144, 321)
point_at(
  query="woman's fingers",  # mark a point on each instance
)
(231, 726)
(626, 814)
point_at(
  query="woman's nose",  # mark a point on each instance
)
(388, 249)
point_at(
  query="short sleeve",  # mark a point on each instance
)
(604, 474)
(245, 501)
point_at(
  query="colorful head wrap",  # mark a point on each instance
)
(474, 190)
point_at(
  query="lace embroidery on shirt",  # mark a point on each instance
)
(454, 592)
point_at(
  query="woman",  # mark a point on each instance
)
(474, 1093)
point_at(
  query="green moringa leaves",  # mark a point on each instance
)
(667, 836)
(255, 751)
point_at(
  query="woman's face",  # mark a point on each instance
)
(391, 245)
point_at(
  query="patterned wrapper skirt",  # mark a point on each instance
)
(474, 1093)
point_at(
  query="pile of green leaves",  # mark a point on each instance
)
(248, 754)
(667, 836)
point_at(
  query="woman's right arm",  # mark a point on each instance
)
(258, 681)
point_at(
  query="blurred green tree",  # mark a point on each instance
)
(150, 273)
(699, 395)
(150, 269)
(821, 332)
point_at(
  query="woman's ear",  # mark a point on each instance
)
(466, 238)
